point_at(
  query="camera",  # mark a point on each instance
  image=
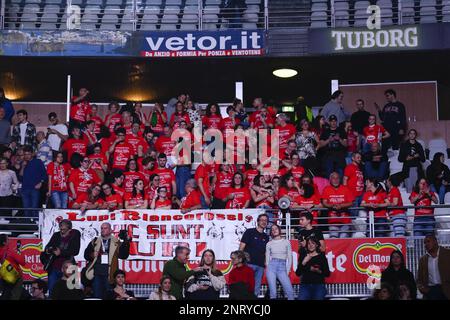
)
(123, 235)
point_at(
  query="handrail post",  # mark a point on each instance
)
(2, 15)
(400, 12)
(200, 15)
(371, 224)
(333, 17)
(68, 13)
(266, 15)
(134, 15)
(288, 224)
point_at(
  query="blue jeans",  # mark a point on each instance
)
(356, 203)
(312, 292)
(182, 175)
(100, 285)
(277, 270)
(423, 226)
(59, 199)
(30, 199)
(259, 272)
(204, 205)
(441, 192)
(53, 277)
(399, 225)
(378, 173)
(381, 228)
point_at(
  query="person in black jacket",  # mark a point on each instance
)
(360, 118)
(63, 245)
(412, 155)
(396, 274)
(312, 270)
(103, 254)
(67, 288)
(439, 175)
(119, 292)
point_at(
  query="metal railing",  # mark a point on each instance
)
(196, 15)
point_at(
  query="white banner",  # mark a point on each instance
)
(156, 233)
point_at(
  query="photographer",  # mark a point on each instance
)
(103, 254)
(63, 245)
(207, 283)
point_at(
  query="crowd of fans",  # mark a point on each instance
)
(334, 161)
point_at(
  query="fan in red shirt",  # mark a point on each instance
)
(117, 184)
(136, 141)
(289, 188)
(374, 199)
(75, 144)
(81, 179)
(238, 196)
(89, 135)
(158, 118)
(250, 175)
(57, 181)
(127, 121)
(394, 198)
(423, 217)
(179, 115)
(113, 117)
(307, 200)
(120, 151)
(293, 166)
(8, 252)
(165, 144)
(212, 119)
(354, 180)
(223, 182)
(374, 133)
(230, 122)
(352, 138)
(131, 174)
(261, 119)
(89, 200)
(262, 193)
(113, 201)
(286, 131)
(99, 162)
(139, 113)
(97, 120)
(192, 199)
(147, 167)
(80, 108)
(160, 199)
(152, 189)
(338, 198)
(203, 175)
(137, 199)
(167, 177)
(241, 272)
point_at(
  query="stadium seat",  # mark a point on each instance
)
(109, 22)
(151, 10)
(114, 2)
(77, 2)
(362, 5)
(442, 215)
(28, 21)
(319, 20)
(384, 4)
(189, 19)
(250, 17)
(191, 3)
(48, 21)
(341, 18)
(213, 2)
(172, 10)
(408, 12)
(126, 26)
(95, 2)
(31, 8)
(437, 145)
(11, 13)
(169, 22)
(112, 9)
(210, 22)
(361, 17)
(246, 26)
(92, 9)
(252, 9)
(316, 7)
(52, 8)
(386, 16)
(56, 2)
(211, 10)
(33, 1)
(188, 26)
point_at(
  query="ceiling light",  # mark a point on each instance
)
(285, 73)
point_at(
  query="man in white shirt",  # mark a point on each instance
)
(433, 277)
(56, 132)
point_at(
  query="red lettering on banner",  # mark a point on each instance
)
(73, 216)
(153, 231)
(177, 217)
(130, 215)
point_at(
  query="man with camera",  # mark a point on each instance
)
(103, 254)
(63, 245)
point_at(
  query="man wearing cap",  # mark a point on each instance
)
(56, 132)
(333, 141)
(336, 108)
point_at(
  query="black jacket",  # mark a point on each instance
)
(305, 273)
(410, 149)
(434, 171)
(394, 278)
(359, 120)
(68, 252)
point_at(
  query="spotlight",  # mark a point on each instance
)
(285, 73)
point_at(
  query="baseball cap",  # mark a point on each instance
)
(332, 117)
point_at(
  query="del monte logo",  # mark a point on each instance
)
(368, 255)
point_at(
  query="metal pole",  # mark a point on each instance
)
(134, 15)
(400, 12)
(333, 17)
(266, 14)
(2, 15)
(239, 90)
(68, 99)
(200, 15)
(371, 224)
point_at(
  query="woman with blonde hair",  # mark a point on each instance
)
(165, 284)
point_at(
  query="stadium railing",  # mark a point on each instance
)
(212, 15)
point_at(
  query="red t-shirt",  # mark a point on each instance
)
(205, 171)
(314, 200)
(243, 274)
(192, 199)
(250, 177)
(241, 196)
(96, 165)
(162, 203)
(98, 124)
(135, 142)
(352, 141)
(285, 133)
(166, 177)
(379, 198)
(227, 123)
(113, 120)
(395, 193)
(292, 193)
(176, 118)
(337, 196)
(115, 199)
(82, 179)
(122, 153)
(423, 201)
(355, 180)
(165, 145)
(151, 193)
(373, 133)
(159, 127)
(135, 200)
(212, 122)
(72, 145)
(255, 120)
(264, 202)
(58, 177)
(79, 111)
(120, 191)
(130, 177)
(84, 199)
(223, 182)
